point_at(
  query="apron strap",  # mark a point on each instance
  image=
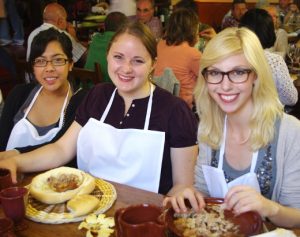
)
(222, 150)
(149, 107)
(103, 117)
(32, 102)
(62, 113)
(253, 162)
(61, 119)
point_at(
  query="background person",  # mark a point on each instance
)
(130, 131)
(12, 19)
(245, 139)
(283, 9)
(39, 113)
(232, 18)
(98, 46)
(261, 23)
(176, 51)
(55, 15)
(281, 43)
(206, 32)
(145, 14)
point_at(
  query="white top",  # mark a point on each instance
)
(281, 44)
(287, 189)
(287, 92)
(127, 7)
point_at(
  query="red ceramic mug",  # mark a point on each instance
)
(13, 203)
(140, 221)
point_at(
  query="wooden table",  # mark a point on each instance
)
(125, 196)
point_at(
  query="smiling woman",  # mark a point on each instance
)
(131, 131)
(28, 120)
(248, 147)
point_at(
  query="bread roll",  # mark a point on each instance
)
(41, 189)
(82, 204)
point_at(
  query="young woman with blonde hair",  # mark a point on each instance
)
(248, 147)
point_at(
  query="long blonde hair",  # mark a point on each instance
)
(267, 107)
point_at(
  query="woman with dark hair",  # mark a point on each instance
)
(206, 32)
(176, 51)
(128, 131)
(40, 112)
(261, 23)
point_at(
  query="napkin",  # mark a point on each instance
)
(217, 185)
(279, 232)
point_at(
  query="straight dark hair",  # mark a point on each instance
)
(261, 23)
(42, 39)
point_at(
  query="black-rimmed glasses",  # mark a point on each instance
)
(236, 76)
(55, 62)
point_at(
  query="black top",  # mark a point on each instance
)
(169, 114)
(12, 105)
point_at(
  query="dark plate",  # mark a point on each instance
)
(250, 223)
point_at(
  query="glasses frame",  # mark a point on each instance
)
(248, 71)
(51, 61)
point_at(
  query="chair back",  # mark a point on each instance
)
(23, 72)
(168, 81)
(10, 78)
(86, 78)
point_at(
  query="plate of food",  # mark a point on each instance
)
(212, 221)
(66, 194)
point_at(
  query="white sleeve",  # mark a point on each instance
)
(287, 92)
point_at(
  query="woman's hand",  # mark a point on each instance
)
(178, 200)
(12, 166)
(242, 199)
(208, 33)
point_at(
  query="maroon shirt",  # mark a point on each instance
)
(169, 114)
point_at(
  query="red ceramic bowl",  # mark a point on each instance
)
(250, 223)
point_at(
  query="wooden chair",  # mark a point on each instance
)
(9, 69)
(168, 81)
(86, 78)
(23, 72)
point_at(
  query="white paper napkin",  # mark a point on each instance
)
(279, 232)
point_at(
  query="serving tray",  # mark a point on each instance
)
(58, 213)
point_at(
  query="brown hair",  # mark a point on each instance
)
(139, 30)
(183, 26)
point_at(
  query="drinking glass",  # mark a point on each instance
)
(5, 179)
(13, 204)
(291, 54)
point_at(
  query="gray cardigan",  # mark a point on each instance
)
(287, 187)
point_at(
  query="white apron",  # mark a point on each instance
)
(127, 156)
(215, 178)
(25, 134)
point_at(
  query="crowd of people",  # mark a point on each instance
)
(225, 135)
